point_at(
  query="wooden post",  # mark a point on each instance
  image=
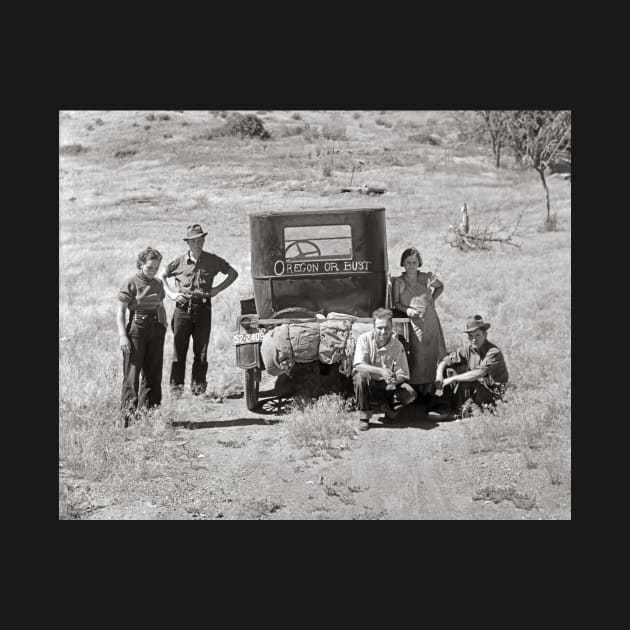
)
(465, 219)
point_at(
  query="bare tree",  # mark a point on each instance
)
(488, 126)
(467, 125)
(496, 124)
(539, 136)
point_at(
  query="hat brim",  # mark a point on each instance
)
(190, 238)
(482, 326)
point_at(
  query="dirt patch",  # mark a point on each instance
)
(236, 464)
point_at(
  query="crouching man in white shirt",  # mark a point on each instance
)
(380, 370)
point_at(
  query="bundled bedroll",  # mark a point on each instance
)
(331, 340)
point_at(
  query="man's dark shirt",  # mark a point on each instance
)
(193, 275)
(490, 360)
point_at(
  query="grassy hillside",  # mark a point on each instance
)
(131, 179)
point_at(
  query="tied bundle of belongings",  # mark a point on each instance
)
(285, 345)
(331, 341)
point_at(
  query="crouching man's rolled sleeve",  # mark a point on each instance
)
(493, 365)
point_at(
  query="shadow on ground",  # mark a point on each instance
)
(412, 416)
(215, 424)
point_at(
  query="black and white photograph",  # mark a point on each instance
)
(300, 314)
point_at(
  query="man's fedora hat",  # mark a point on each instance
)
(475, 321)
(194, 231)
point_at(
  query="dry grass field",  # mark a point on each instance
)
(129, 179)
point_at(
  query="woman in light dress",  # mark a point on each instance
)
(414, 293)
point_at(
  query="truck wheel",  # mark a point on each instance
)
(252, 384)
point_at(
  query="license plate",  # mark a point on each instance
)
(241, 338)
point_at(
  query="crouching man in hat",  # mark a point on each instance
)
(194, 273)
(380, 370)
(476, 372)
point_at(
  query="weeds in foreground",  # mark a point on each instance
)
(522, 423)
(92, 447)
(74, 503)
(263, 507)
(323, 426)
(555, 469)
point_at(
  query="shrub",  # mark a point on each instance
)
(243, 126)
(72, 149)
(402, 125)
(310, 133)
(327, 170)
(356, 115)
(293, 130)
(150, 117)
(296, 116)
(124, 153)
(334, 132)
(164, 117)
(323, 424)
(384, 123)
(426, 138)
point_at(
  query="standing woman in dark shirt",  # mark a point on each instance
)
(142, 338)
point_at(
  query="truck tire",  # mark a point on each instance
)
(252, 384)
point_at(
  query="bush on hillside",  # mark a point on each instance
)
(334, 132)
(72, 149)
(243, 126)
(426, 138)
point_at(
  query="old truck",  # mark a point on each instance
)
(307, 265)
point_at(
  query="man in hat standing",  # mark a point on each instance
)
(475, 371)
(194, 273)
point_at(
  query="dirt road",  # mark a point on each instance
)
(229, 463)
